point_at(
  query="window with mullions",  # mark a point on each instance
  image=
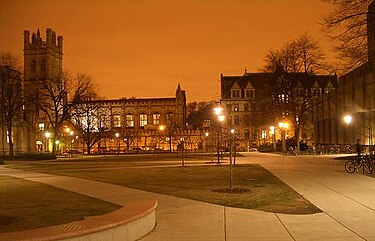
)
(116, 120)
(130, 120)
(143, 120)
(156, 118)
(236, 93)
(41, 126)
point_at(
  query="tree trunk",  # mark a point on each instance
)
(10, 136)
(88, 148)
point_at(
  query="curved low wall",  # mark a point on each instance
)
(131, 222)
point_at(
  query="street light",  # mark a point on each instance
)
(347, 120)
(118, 142)
(218, 112)
(232, 131)
(272, 132)
(206, 134)
(71, 133)
(283, 126)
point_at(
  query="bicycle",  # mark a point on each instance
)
(357, 163)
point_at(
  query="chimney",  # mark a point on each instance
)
(371, 32)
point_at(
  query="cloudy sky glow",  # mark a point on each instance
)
(143, 48)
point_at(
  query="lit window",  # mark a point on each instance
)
(130, 120)
(142, 119)
(156, 118)
(236, 108)
(103, 121)
(117, 120)
(41, 126)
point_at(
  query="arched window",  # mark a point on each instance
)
(129, 120)
(43, 66)
(143, 120)
(33, 66)
(116, 120)
(156, 118)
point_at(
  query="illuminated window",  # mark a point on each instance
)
(41, 126)
(156, 118)
(130, 120)
(142, 119)
(236, 108)
(116, 120)
(103, 121)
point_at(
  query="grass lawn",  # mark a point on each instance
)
(27, 205)
(264, 191)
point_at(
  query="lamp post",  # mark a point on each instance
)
(232, 131)
(161, 129)
(118, 142)
(347, 120)
(206, 134)
(220, 118)
(47, 135)
(71, 133)
(272, 132)
(283, 126)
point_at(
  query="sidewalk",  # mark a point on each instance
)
(348, 211)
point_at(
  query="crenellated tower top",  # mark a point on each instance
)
(37, 42)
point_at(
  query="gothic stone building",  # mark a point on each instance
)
(145, 124)
(254, 102)
(42, 60)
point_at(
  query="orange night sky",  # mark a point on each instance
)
(143, 48)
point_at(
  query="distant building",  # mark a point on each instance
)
(141, 124)
(255, 102)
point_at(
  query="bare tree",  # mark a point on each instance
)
(11, 102)
(9, 59)
(304, 54)
(346, 26)
(294, 64)
(89, 116)
(57, 97)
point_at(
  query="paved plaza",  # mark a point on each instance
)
(347, 202)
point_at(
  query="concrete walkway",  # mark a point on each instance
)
(348, 202)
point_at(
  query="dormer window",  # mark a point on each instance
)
(236, 93)
(249, 93)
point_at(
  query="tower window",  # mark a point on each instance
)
(33, 66)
